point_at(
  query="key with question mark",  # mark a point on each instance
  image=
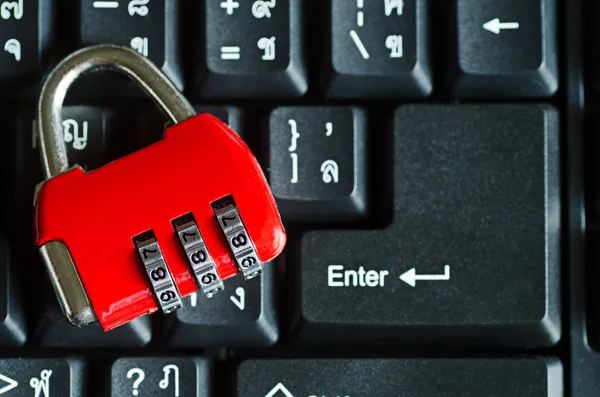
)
(140, 378)
(160, 376)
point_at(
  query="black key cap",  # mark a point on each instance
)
(317, 162)
(593, 13)
(161, 376)
(87, 131)
(532, 377)
(244, 314)
(252, 49)
(84, 133)
(378, 49)
(12, 324)
(26, 33)
(472, 253)
(150, 27)
(152, 123)
(594, 143)
(505, 49)
(42, 377)
(54, 330)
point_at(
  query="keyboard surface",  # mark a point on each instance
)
(434, 164)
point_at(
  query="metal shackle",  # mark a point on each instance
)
(103, 57)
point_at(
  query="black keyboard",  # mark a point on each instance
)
(434, 163)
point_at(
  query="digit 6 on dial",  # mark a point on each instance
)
(167, 296)
(248, 261)
(208, 278)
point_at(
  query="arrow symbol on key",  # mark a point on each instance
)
(410, 277)
(11, 384)
(279, 388)
(495, 26)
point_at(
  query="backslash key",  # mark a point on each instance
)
(378, 49)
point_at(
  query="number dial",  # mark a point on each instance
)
(198, 256)
(160, 277)
(237, 237)
(158, 274)
(167, 296)
(239, 241)
(249, 261)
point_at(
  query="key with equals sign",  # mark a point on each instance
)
(230, 52)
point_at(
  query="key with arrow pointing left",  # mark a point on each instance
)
(495, 26)
(411, 277)
(504, 49)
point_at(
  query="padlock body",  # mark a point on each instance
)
(96, 214)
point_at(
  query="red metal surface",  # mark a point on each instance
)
(97, 213)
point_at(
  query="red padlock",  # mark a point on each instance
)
(139, 233)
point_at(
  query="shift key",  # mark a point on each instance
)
(472, 254)
(411, 377)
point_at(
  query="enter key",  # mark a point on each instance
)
(472, 254)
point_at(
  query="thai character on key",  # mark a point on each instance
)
(71, 133)
(262, 8)
(138, 7)
(80, 141)
(140, 44)
(41, 386)
(15, 6)
(330, 171)
(164, 383)
(268, 45)
(69, 125)
(395, 44)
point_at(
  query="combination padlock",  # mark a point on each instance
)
(141, 232)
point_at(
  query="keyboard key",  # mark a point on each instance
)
(54, 330)
(152, 123)
(12, 324)
(84, 132)
(593, 44)
(472, 253)
(151, 28)
(317, 162)
(26, 33)
(505, 49)
(161, 376)
(244, 314)
(42, 377)
(532, 377)
(87, 132)
(252, 49)
(378, 49)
